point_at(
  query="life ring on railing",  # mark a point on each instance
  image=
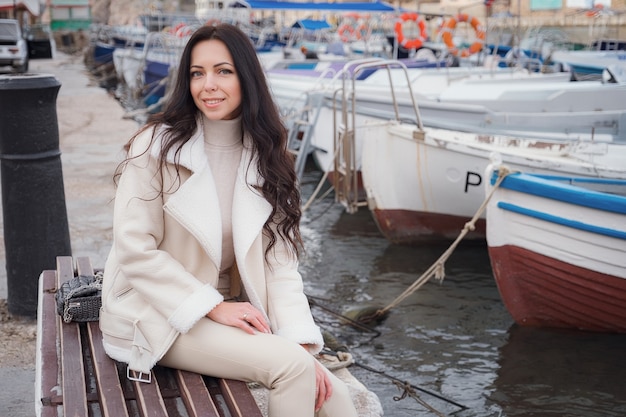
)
(346, 32)
(447, 30)
(415, 43)
(174, 30)
(363, 31)
(184, 32)
(595, 11)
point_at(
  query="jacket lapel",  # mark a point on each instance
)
(197, 197)
(250, 209)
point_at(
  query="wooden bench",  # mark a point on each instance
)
(75, 377)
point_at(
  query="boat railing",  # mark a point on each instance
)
(345, 153)
(386, 65)
(293, 109)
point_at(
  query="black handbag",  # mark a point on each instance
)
(79, 299)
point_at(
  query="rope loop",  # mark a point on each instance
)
(344, 360)
(406, 389)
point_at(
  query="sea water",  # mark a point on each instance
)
(454, 338)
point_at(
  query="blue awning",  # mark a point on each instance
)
(310, 24)
(375, 6)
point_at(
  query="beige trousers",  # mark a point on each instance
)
(284, 367)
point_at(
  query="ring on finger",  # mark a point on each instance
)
(245, 316)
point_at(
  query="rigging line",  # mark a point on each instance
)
(437, 269)
(321, 183)
(392, 378)
(348, 319)
(324, 211)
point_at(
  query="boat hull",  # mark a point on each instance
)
(427, 188)
(558, 251)
(545, 292)
(414, 227)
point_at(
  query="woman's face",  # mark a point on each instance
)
(214, 84)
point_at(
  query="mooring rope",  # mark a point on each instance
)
(437, 268)
(408, 389)
(345, 359)
(321, 183)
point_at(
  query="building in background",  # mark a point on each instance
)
(25, 11)
(69, 14)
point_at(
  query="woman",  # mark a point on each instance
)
(203, 272)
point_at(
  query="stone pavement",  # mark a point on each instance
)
(92, 132)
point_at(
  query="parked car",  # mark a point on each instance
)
(13, 46)
(40, 41)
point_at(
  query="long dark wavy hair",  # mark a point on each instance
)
(260, 119)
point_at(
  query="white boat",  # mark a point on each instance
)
(557, 246)
(424, 185)
(514, 103)
(588, 62)
(132, 62)
(290, 85)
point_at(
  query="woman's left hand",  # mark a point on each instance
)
(323, 386)
(240, 314)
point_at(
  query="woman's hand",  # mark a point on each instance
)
(240, 314)
(323, 386)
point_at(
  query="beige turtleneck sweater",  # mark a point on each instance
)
(223, 144)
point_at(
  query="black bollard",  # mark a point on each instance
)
(36, 229)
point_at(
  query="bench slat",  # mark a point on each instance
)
(240, 400)
(149, 399)
(110, 390)
(74, 386)
(195, 395)
(47, 345)
(83, 266)
(110, 393)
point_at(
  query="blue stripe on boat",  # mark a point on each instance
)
(562, 221)
(555, 188)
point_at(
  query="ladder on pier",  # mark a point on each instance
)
(301, 129)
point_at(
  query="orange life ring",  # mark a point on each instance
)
(346, 32)
(363, 31)
(447, 30)
(411, 43)
(184, 31)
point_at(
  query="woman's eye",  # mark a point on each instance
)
(196, 74)
(224, 71)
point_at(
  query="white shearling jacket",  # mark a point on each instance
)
(161, 274)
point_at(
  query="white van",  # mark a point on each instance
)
(13, 46)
